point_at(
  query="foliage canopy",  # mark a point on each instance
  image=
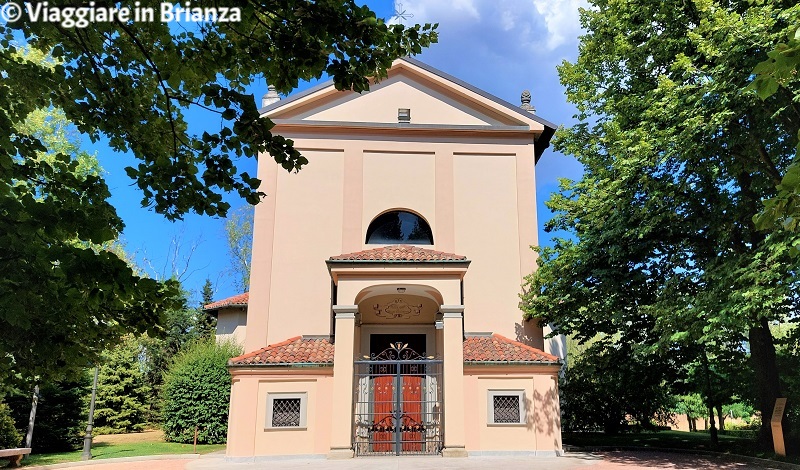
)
(678, 152)
(63, 297)
(132, 82)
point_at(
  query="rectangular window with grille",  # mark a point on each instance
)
(506, 407)
(286, 411)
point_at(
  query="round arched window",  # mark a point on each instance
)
(399, 227)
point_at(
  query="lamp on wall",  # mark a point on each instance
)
(401, 290)
(439, 321)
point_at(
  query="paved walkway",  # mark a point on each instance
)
(623, 460)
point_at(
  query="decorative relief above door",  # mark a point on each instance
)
(397, 308)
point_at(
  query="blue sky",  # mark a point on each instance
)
(500, 46)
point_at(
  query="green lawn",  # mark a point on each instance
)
(673, 440)
(105, 450)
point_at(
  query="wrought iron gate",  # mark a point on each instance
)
(398, 403)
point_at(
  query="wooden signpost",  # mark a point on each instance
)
(777, 429)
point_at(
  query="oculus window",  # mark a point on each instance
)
(399, 227)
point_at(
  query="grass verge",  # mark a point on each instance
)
(105, 450)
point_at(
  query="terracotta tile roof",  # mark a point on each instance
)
(319, 350)
(238, 300)
(297, 350)
(399, 253)
(497, 348)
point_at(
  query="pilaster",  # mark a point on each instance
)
(343, 356)
(454, 409)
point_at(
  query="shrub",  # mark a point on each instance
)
(754, 424)
(9, 436)
(196, 393)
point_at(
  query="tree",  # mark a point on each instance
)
(206, 322)
(693, 407)
(181, 328)
(131, 82)
(60, 414)
(780, 70)
(239, 232)
(678, 153)
(197, 391)
(123, 395)
(64, 295)
(606, 387)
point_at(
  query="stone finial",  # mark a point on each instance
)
(270, 97)
(526, 101)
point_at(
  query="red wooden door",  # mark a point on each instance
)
(383, 416)
(412, 413)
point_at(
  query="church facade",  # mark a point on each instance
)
(383, 314)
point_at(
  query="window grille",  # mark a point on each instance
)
(286, 412)
(506, 409)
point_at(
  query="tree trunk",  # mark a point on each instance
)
(713, 428)
(763, 361)
(721, 419)
(32, 419)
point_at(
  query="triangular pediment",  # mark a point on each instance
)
(433, 98)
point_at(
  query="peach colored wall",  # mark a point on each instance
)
(487, 231)
(241, 419)
(397, 180)
(381, 103)
(312, 440)
(308, 222)
(547, 412)
(321, 105)
(232, 324)
(456, 185)
(247, 432)
(261, 265)
(541, 432)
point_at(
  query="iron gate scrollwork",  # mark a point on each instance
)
(398, 403)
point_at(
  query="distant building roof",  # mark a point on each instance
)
(238, 300)
(407, 253)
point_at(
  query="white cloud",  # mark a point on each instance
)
(543, 25)
(561, 18)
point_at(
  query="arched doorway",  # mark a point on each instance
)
(398, 394)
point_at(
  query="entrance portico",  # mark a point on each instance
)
(395, 294)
